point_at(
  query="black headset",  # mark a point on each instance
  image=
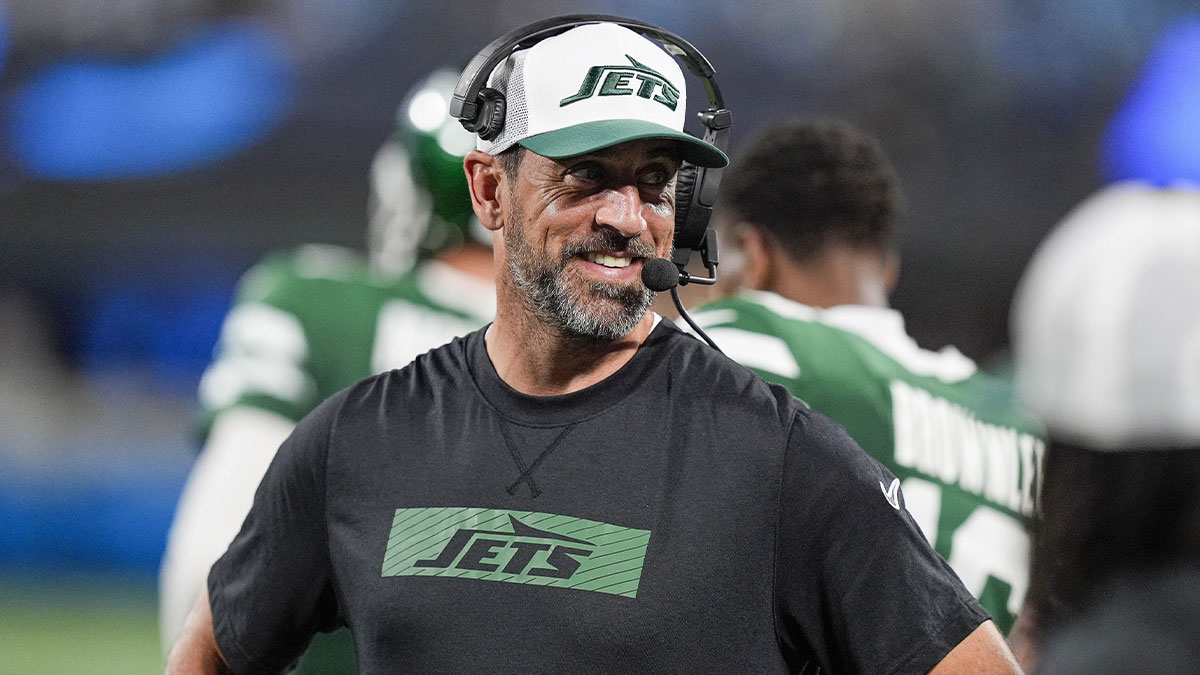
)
(481, 110)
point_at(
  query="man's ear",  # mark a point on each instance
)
(484, 179)
(891, 271)
(758, 265)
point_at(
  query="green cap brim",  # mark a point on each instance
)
(592, 136)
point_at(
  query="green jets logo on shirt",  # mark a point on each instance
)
(519, 547)
(619, 80)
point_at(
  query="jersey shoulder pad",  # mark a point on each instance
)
(293, 279)
(283, 273)
(778, 342)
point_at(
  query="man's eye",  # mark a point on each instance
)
(655, 178)
(590, 174)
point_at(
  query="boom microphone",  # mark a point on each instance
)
(660, 274)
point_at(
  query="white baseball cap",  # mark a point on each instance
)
(1106, 321)
(592, 87)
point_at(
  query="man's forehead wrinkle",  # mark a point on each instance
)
(543, 168)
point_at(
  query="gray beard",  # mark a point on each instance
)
(544, 286)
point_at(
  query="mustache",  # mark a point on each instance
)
(608, 240)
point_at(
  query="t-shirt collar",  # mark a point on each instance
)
(549, 411)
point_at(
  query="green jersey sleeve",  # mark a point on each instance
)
(263, 356)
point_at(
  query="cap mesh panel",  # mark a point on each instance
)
(516, 117)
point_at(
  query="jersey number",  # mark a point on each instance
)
(987, 545)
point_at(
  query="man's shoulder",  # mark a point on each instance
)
(305, 264)
(778, 338)
(704, 371)
(755, 310)
(302, 280)
(438, 368)
(805, 329)
(850, 352)
(862, 339)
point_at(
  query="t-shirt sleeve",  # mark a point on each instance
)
(858, 587)
(273, 588)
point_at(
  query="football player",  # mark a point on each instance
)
(808, 217)
(309, 322)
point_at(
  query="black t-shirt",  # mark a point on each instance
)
(680, 516)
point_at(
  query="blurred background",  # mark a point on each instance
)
(152, 150)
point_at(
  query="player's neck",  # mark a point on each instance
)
(536, 359)
(842, 276)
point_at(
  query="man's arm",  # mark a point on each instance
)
(218, 494)
(983, 652)
(859, 588)
(1022, 639)
(196, 651)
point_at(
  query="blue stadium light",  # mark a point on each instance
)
(220, 91)
(1155, 133)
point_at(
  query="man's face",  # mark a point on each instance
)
(580, 230)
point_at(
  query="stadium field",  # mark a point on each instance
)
(79, 624)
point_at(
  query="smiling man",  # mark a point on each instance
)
(574, 235)
(581, 486)
(610, 298)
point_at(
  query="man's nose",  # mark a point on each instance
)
(622, 210)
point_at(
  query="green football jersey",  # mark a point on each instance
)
(311, 322)
(965, 456)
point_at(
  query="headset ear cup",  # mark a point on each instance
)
(685, 194)
(491, 113)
